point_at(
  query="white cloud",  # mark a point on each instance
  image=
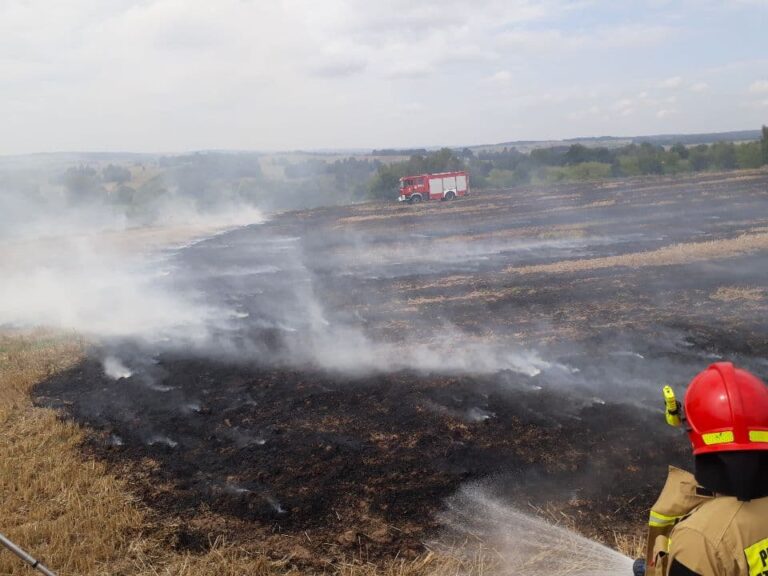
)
(338, 66)
(633, 36)
(553, 40)
(538, 41)
(592, 111)
(501, 78)
(624, 107)
(185, 74)
(673, 82)
(759, 87)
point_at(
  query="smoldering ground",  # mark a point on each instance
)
(362, 363)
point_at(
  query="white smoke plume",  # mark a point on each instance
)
(84, 285)
(115, 369)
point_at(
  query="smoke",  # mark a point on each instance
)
(273, 292)
(60, 195)
(72, 259)
(97, 289)
(449, 350)
(75, 255)
(259, 296)
(306, 291)
(516, 543)
(115, 369)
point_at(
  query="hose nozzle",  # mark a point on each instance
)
(671, 407)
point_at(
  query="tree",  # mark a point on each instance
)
(577, 154)
(554, 156)
(118, 174)
(648, 159)
(124, 195)
(83, 184)
(385, 182)
(723, 155)
(680, 150)
(749, 155)
(700, 158)
(764, 144)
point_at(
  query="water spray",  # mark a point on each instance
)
(477, 522)
(25, 556)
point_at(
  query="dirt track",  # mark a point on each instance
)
(320, 430)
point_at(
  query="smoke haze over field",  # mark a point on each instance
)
(57, 195)
(75, 257)
(80, 252)
(293, 372)
(308, 295)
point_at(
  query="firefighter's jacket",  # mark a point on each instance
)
(710, 534)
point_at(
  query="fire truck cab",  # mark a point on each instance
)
(441, 186)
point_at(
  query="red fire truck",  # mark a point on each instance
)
(442, 186)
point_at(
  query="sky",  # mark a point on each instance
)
(180, 75)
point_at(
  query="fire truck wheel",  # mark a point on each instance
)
(450, 196)
(415, 199)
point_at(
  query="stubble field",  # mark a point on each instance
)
(380, 358)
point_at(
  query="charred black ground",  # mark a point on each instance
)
(310, 425)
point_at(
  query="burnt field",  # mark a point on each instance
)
(359, 365)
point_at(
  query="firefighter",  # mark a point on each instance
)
(715, 522)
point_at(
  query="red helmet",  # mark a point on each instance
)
(726, 410)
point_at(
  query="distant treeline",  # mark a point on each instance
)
(510, 167)
(659, 139)
(406, 152)
(207, 181)
(147, 189)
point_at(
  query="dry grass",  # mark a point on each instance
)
(529, 233)
(736, 294)
(669, 255)
(425, 209)
(600, 203)
(66, 510)
(221, 560)
(631, 545)
(485, 295)
(443, 563)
